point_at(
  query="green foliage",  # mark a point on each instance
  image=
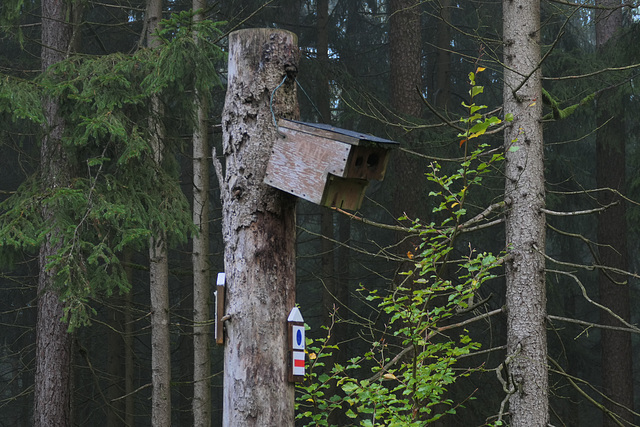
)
(403, 377)
(476, 123)
(21, 100)
(118, 195)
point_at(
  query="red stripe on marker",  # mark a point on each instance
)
(298, 363)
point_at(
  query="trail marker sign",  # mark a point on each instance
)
(296, 345)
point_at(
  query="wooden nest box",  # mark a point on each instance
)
(326, 165)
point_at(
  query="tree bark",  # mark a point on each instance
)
(258, 231)
(405, 50)
(200, 257)
(115, 363)
(617, 354)
(158, 264)
(52, 386)
(525, 222)
(442, 89)
(129, 417)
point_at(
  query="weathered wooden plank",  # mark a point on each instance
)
(301, 162)
(344, 193)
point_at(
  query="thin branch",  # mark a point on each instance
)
(482, 226)
(443, 159)
(595, 73)
(574, 213)
(389, 364)
(377, 224)
(595, 190)
(590, 5)
(482, 215)
(589, 267)
(572, 381)
(142, 387)
(586, 296)
(593, 325)
(440, 116)
(471, 320)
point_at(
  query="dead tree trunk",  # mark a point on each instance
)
(258, 230)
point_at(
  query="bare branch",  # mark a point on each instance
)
(589, 267)
(590, 5)
(482, 215)
(377, 224)
(600, 306)
(593, 325)
(574, 213)
(595, 73)
(572, 381)
(440, 116)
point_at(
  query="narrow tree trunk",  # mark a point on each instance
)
(158, 265)
(52, 386)
(525, 222)
(115, 365)
(617, 355)
(201, 285)
(258, 230)
(129, 416)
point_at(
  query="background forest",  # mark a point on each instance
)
(142, 108)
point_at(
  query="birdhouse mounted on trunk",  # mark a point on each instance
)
(326, 165)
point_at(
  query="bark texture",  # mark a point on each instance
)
(200, 260)
(52, 383)
(442, 89)
(258, 231)
(158, 264)
(525, 222)
(405, 50)
(617, 355)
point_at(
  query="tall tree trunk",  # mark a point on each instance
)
(323, 102)
(442, 87)
(525, 221)
(115, 365)
(158, 264)
(258, 230)
(201, 285)
(617, 355)
(405, 50)
(129, 401)
(52, 386)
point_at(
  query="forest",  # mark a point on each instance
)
(488, 280)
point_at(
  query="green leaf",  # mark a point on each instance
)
(476, 90)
